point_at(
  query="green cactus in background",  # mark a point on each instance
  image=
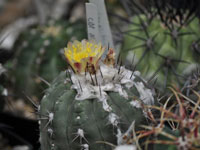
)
(39, 54)
(162, 51)
(92, 103)
(164, 37)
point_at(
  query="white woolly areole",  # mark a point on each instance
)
(108, 79)
(136, 104)
(126, 147)
(106, 107)
(127, 134)
(145, 94)
(5, 92)
(183, 143)
(85, 146)
(113, 118)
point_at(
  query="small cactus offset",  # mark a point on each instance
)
(166, 46)
(93, 103)
(39, 54)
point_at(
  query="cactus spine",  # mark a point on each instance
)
(178, 125)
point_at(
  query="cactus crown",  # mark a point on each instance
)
(92, 78)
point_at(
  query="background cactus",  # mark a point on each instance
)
(104, 108)
(167, 53)
(178, 125)
(165, 45)
(38, 55)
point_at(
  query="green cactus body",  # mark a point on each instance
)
(87, 110)
(39, 54)
(161, 50)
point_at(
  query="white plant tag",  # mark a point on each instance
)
(92, 22)
(105, 34)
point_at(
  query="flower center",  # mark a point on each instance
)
(82, 54)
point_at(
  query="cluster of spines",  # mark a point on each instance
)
(177, 126)
(179, 11)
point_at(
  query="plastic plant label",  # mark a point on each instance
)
(105, 36)
(92, 22)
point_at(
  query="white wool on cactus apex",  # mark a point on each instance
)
(91, 86)
(126, 147)
(109, 79)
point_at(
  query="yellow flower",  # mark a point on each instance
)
(82, 54)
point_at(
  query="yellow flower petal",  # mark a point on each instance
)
(80, 54)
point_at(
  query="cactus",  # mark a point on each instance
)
(164, 46)
(178, 126)
(93, 103)
(39, 55)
